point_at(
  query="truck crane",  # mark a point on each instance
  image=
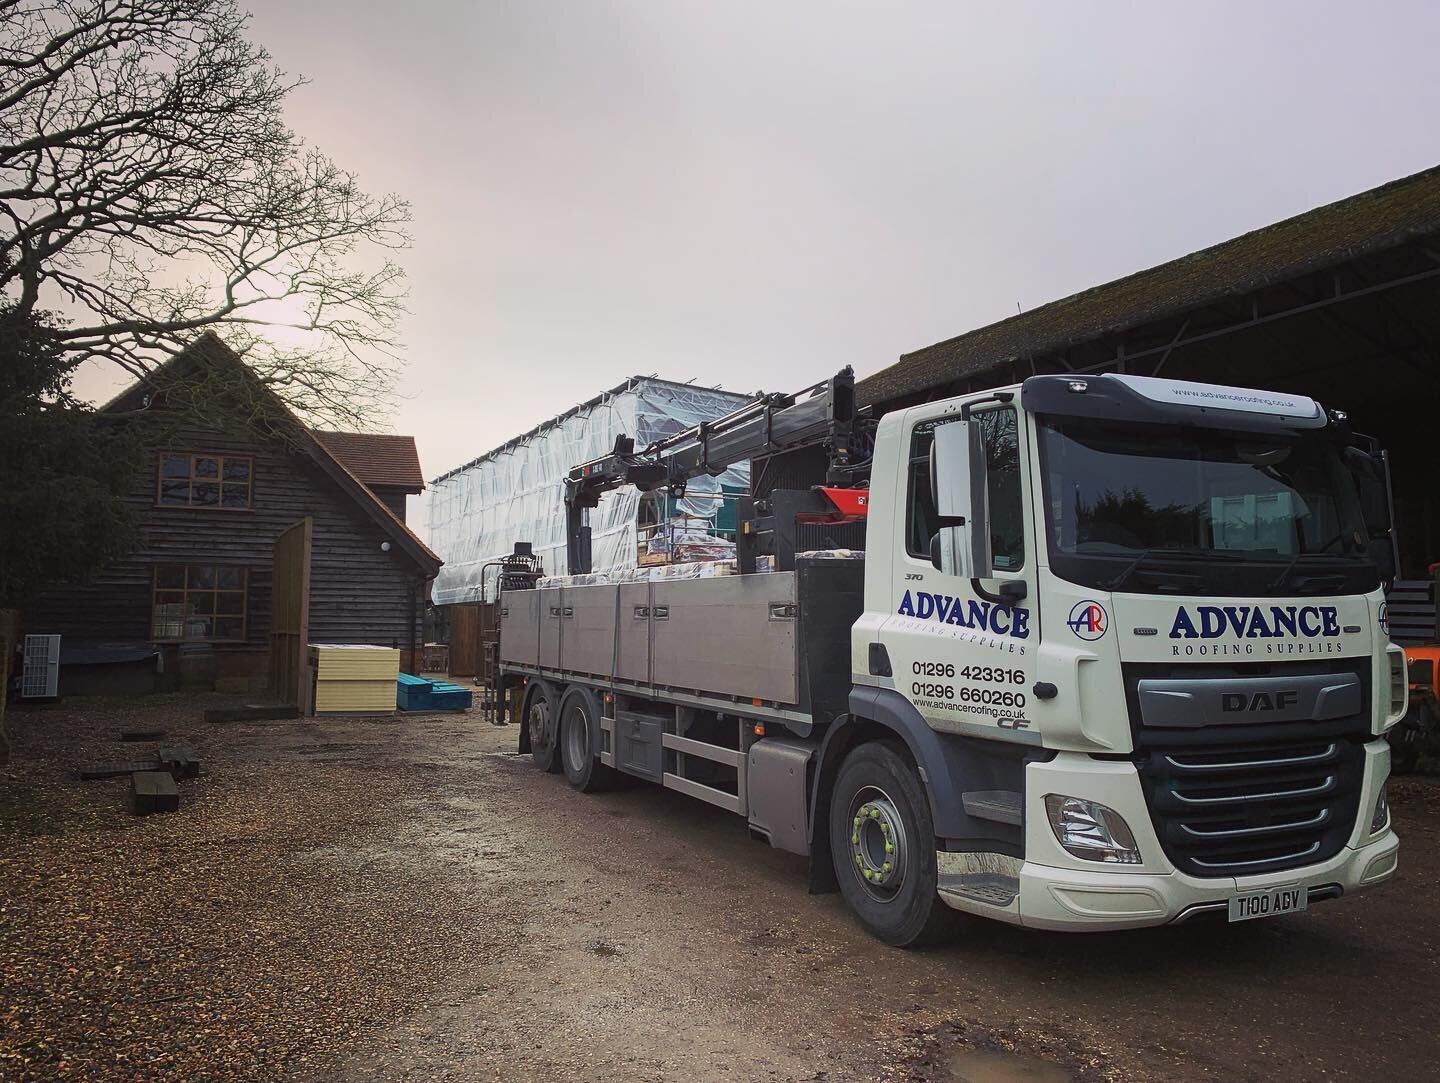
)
(821, 417)
(1110, 654)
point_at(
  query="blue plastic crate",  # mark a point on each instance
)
(421, 694)
(413, 693)
(450, 697)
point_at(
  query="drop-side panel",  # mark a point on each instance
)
(734, 635)
(552, 603)
(520, 627)
(588, 640)
(632, 657)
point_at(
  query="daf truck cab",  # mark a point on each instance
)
(1117, 657)
(1161, 601)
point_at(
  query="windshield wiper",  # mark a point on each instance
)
(1312, 581)
(1168, 554)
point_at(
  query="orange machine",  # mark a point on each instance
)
(1419, 731)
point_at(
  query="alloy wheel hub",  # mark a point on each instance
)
(878, 843)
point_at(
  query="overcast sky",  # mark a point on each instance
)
(755, 194)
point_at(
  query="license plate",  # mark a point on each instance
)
(1266, 904)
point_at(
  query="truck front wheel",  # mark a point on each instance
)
(882, 841)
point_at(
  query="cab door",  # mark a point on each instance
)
(962, 647)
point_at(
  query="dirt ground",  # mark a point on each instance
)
(405, 898)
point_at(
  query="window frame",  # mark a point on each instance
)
(185, 591)
(192, 479)
(914, 462)
(913, 465)
(1019, 419)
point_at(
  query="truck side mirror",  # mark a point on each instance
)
(1382, 552)
(1369, 471)
(957, 478)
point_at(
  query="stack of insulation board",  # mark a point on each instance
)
(413, 693)
(352, 678)
(450, 697)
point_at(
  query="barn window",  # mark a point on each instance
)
(198, 602)
(203, 480)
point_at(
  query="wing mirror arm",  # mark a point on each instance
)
(1011, 591)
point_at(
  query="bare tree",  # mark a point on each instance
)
(150, 189)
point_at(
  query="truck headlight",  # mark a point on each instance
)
(1091, 831)
(1381, 816)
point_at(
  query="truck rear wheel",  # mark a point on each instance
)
(579, 722)
(542, 710)
(882, 841)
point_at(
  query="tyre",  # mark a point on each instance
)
(579, 723)
(542, 711)
(882, 841)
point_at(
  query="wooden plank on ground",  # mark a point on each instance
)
(115, 770)
(153, 791)
(179, 760)
(142, 735)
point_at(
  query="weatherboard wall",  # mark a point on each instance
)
(359, 593)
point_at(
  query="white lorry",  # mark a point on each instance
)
(1114, 655)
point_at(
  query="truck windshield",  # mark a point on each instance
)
(1162, 509)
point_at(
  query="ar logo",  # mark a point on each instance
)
(1088, 620)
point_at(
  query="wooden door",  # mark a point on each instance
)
(488, 655)
(465, 640)
(290, 615)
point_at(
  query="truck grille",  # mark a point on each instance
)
(1239, 811)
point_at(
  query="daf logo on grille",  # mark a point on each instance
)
(1259, 701)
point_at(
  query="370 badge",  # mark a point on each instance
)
(1088, 620)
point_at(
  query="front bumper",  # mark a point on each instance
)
(1050, 889)
(1043, 897)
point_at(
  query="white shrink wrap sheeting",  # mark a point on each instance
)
(655, 573)
(516, 492)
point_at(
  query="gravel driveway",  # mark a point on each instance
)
(404, 898)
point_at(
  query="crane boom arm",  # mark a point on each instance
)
(823, 414)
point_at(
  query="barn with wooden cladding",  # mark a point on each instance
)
(1341, 303)
(258, 536)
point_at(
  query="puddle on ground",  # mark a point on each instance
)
(993, 1066)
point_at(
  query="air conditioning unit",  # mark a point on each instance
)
(40, 677)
